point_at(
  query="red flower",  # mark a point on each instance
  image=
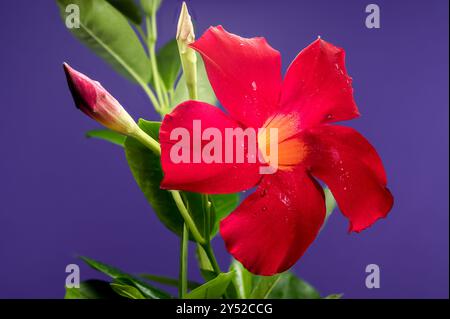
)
(274, 226)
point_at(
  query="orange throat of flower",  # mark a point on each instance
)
(279, 144)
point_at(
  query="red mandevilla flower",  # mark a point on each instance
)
(274, 226)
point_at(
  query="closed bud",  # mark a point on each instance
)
(185, 36)
(185, 28)
(93, 100)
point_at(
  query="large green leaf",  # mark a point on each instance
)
(213, 289)
(107, 32)
(107, 135)
(263, 285)
(205, 91)
(169, 63)
(129, 9)
(291, 287)
(92, 289)
(242, 280)
(115, 273)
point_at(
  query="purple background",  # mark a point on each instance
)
(63, 195)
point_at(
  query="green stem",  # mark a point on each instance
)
(207, 206)
(212, 258)
(151, 40)
(187, 217)
(147, 141)
(183, 282)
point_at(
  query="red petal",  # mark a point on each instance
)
(244, 73)
(353, 171)
(202, 177)
(274, 226)
(318, 86)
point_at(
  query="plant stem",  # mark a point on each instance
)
(212, 258)
(147, 141)
(150, 94)
(182, 289)
(187, 217)
(151, 40)
(207, 212)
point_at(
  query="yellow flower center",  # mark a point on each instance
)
(281, 130)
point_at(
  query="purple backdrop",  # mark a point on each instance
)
(63, 195)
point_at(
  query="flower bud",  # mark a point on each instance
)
(185, 36)
(185, 28)
(93, 100)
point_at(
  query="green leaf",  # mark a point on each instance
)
(205, 91)
(107, 135)
(115, 273)
(91, 289)
(169, 63)
(330, 204)
(126, 290)
(150, 6)
(242, 280)
(222, 206)
(291, 287)
(263, 286)
(129, 9)
(168, 281)
(213, 289)
(334, 296)
(107, 32)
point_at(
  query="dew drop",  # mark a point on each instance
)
(329, 116)
(254, 87)
(264, 208)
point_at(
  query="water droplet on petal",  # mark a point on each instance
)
(264, 208)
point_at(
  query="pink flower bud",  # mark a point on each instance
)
(93, 100)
